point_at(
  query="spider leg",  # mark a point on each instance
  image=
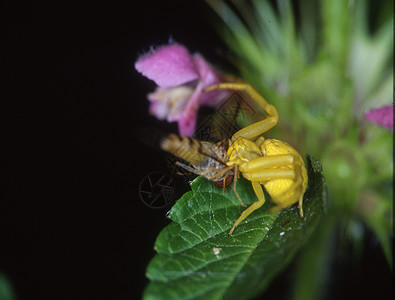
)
(265, 168)
(234, 186)
(299, 182)
(265, 162)
(259, 141)
(270, 174)
(260, 127)
(261, 200)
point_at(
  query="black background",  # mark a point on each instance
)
(72, 223)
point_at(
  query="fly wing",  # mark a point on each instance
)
(221, 124)
(235, 112)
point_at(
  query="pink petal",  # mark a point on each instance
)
(214, 98)
(187, 121)
(168, 66)
(186, 126)
(209, 76)
(383, 116)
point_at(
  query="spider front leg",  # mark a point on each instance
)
(236, 176)
(254, 206)
(260, 127)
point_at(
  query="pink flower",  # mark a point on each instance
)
(383, 116)
(181, 79)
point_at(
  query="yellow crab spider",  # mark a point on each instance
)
(268, 162)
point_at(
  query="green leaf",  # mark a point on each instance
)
(197, 259)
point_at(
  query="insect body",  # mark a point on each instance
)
(271, 163)
(207, 159)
